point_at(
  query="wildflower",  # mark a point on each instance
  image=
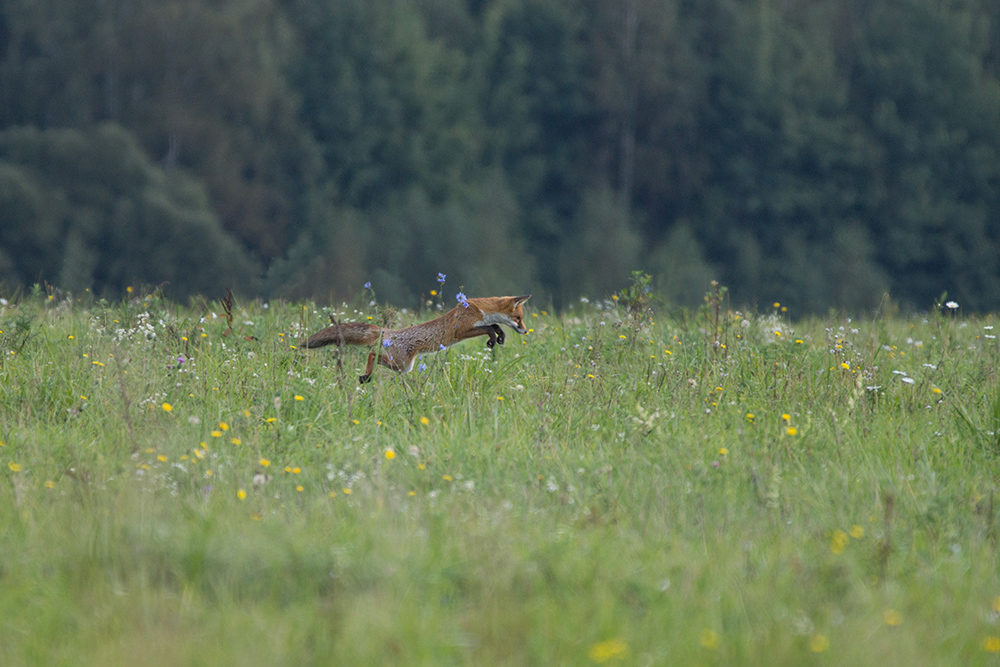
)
(749, 416)
(422, 367)
(991, 644)
(892, 618)
(296, 470)
(216, 434)
(50, 484)
(347, 492)
(368, 285)
(499, 398)
(223, 426)
(434, 292)
(936, 390)
(462, 299)
(951, 305)
(387, 342)
(241, 494)
(777, 333)
(299, 488)
(776, 304)
(181, 359)
(786, 417)
(907, 380)
(857, 532)
(611, 649)
(271, 420)
(299, 398)
(818, 643)
(167, 407)
(14, 467)
(425, 421)
(440, 278)
(265, 462)
(389, 454)
(709, 639)
(792, 430)
(846, 366)
(236, 441)
(838, 541)
(162, 458)
(723, 451)
(447, 478)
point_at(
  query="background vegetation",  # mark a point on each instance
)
(618, 486)
(815, 152)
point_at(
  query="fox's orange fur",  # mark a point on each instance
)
(398, 348)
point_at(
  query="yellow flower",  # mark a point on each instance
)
(818, 643)
(162, 458)
(991, 644)
(857, 532)
(612, 649)
(621, 336)
(50, 484)
(499, 398)
(265, 462)
(241, 494)
(792, 430)
(129, 289)
(347, 492)
(723, 451)
(786, 417)
(838, 541)
(709, 639)
(389, 454)
(846, 366)
(776, 304)
(299, 488)
(15, 467)
(777, 333)
(223, 426)
(271, 420)
(667, 352)
(434, 292)
(892, 617)
(936, 390)
(996, 604)
(749, 416)
(296, 470)
(446, 478)
(299, 398)
(216, 434)
(236, 441)
(167, 407)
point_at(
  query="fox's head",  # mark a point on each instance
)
(516, 316)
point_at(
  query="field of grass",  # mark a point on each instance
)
(617, 486)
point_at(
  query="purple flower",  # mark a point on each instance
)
(387, 342)
(181, 360)
(422, 367)
(441, 278)
(440, 346)
(368, 285)
(462, 299)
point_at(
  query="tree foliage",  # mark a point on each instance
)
(819, 153)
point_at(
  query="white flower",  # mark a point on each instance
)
(951, 304)
(907, 380)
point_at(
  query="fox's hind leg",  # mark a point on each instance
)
(368, 369)
(495, 333)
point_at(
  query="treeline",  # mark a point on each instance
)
(815, 152)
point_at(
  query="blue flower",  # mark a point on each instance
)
(462, 299)
(441, 278)
(368, 285)
(422, 367)
(387, 342)
(440, 346)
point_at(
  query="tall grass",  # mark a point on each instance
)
(620, 486)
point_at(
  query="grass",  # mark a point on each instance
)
(617, 488)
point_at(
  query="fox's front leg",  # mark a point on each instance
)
(367, 377)
(495, 333)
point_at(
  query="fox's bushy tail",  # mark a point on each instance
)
(350, 333)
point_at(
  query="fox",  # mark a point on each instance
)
(398, 348)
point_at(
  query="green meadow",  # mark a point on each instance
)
(627, 484)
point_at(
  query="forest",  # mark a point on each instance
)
(817, 153)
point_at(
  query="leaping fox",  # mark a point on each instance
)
(398, 348)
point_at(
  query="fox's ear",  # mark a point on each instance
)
(519, 300)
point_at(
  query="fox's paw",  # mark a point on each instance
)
(501, 336)
(362, 379)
